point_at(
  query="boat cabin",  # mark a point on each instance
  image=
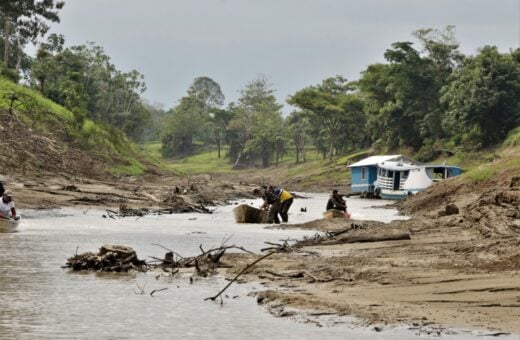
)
(365, 172)
(396, 176)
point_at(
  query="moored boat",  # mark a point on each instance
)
(397, 180)
(8, 225)
(247, 214)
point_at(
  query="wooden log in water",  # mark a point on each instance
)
(367, 238)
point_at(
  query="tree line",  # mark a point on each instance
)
(425, 96)
(81, 78)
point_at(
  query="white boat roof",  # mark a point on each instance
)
(397, 166)
(374, 160)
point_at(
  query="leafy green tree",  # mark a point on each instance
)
(352, 133)
(26, 20)
(220, 120)
(402, 98)
(208, 92)
(257, 125)
(299, 125)
(326, 103)
(483, 98)
(186, 121)
(196, 114)
(83, 79)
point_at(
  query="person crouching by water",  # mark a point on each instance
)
(337, 202)
(286, 199)
(7, 208)
(271, 203)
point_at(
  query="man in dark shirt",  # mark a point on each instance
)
(271, 203)
(336, 201)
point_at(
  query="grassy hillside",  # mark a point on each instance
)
(317, 174)
(313, 174)
(37, 127)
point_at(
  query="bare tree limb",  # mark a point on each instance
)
(213, 298)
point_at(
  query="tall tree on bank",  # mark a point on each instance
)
(83, 79)
(192, 118)
(402, 98)
(326, 103)
(220, 120)
(256, 129)
(26, 19)
(208, 92)
(483, 98)
(298, 126)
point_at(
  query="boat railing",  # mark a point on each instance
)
(387, 183)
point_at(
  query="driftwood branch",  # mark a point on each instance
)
(163, 247)
(367, 238)
(213, 298)
(157, 290)
(296, 275)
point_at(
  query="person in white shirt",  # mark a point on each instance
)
(7, 208)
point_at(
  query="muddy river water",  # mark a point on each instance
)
(39, 300)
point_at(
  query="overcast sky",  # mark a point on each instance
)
(295, 43)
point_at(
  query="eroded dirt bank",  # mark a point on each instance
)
(460, 267)
(152, 192)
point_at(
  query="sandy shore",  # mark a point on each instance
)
(434, 279)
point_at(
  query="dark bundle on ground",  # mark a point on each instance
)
(111, 258)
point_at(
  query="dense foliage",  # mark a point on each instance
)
(425, 97)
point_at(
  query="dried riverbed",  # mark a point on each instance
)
(40, 300)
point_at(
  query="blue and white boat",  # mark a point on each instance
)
(396, 176)
(397, 180)
(365, 173)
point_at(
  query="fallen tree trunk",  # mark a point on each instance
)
(367, 238)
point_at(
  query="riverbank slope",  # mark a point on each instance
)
(460, 268)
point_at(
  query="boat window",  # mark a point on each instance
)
(438, 173)
(405, 174)
(363, 173)
(390, 173)
(450, 173)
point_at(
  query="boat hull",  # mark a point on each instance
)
(333, 213)
(247, 214)
(8, 225)
(393, 194)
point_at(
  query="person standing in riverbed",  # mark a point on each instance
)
(286, 200)
(271, 203)
(7, 205)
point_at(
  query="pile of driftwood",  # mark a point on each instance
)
(126, 211)
(110, 258)
(205, 264)
(118, 258)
